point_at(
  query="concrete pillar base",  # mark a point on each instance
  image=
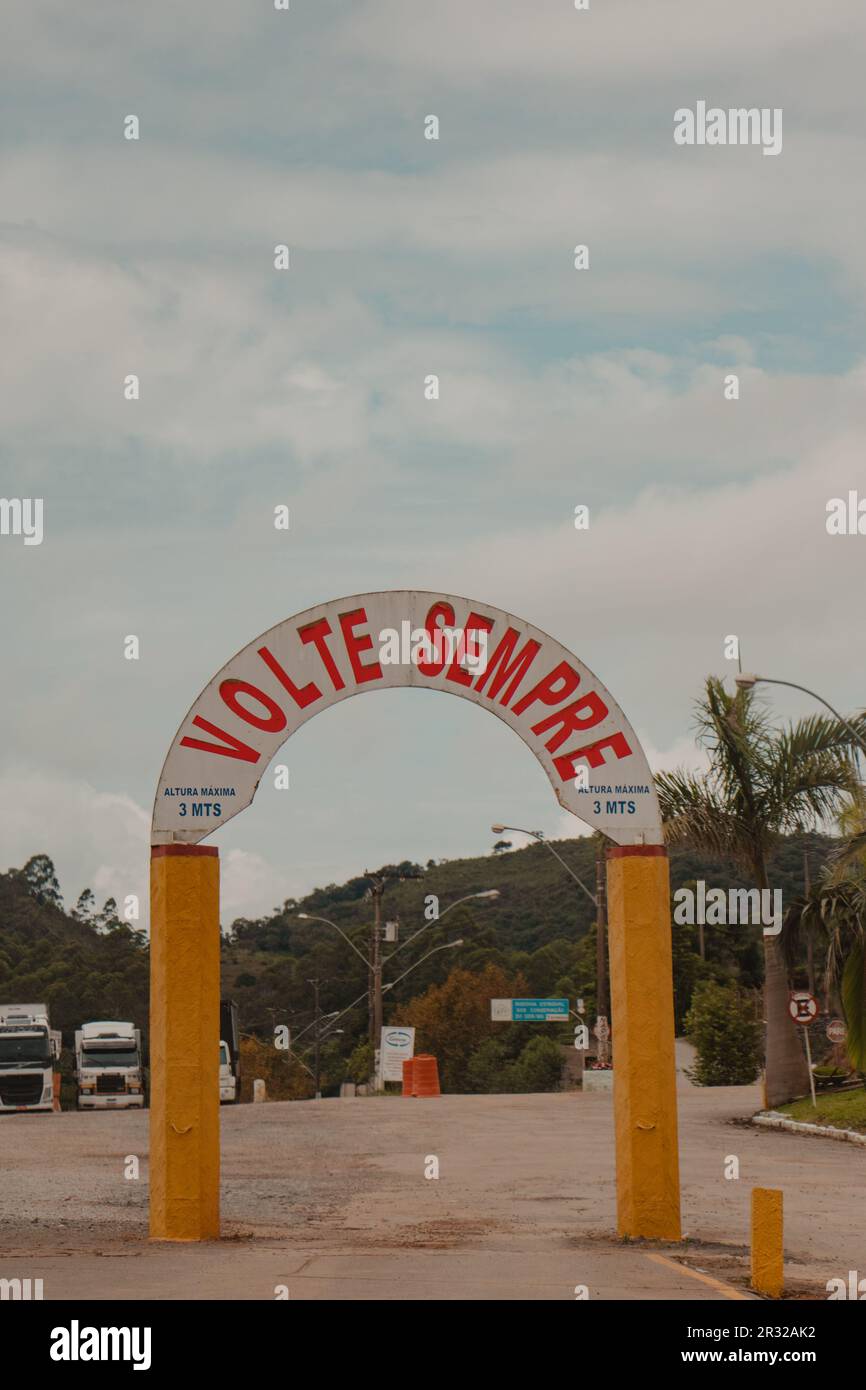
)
(184, 1042)
(644, 1088)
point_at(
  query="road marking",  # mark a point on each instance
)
(727, 1289)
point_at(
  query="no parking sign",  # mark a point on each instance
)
(803, 1006)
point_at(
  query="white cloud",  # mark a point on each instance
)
(620, 41)
(100, 840)
(97, 840)
(332, 382)
(250, 887)
(410, 257)
(643, 213)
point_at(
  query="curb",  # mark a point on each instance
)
(771, 1119)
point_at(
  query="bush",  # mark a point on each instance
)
(359, 1066)
(493, 1071)
(722, 1026)
(489, 1068)
(539, 1066)
(284, 1077)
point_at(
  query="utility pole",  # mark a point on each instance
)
(376, 891)
(810, 951)
(315, 984)
(601, 1008)
(600, 925)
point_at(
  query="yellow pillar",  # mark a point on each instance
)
(767, 1275)
(644, 1074)
(184, 1042)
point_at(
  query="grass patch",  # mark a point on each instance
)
(842, 1109)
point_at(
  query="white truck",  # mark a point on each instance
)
(108, 1066)
(29, 1053)
(230, 1056)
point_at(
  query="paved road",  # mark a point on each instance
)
(329, 1198)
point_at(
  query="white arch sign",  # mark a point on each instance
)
(382, 641)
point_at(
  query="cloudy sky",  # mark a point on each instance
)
(410, 256)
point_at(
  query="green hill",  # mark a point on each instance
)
(94, 967)
(87, 964)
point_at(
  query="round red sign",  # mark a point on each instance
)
(802, 1006)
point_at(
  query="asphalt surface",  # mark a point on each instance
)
(329, 1200)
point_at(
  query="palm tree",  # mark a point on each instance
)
(762, 783)
(836, 907)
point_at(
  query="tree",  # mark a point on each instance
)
(285, 1076)
(722, 1025)
(835, 907)
(41, 879)
(539, 1066)
(501, 846)
(493, 1067)
(107, 920)
(488, 1071)
(762, 783)
(85, 909)
(453, 1019)
(359, 1066)
(548, 963)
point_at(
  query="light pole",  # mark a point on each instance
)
(446, 946)
(374, 965)
(539, 836)
(376, 988)
(323, 1018)
(334, 1018)
(746, 680)
(486, 893)
(308, 917)
(598, 899)
(376, 891)
(316, 1069)
(600, 934)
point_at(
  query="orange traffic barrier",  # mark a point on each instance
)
(409, 1077)
(426, 1076)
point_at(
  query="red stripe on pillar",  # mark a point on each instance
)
(163, 851)
(635, 851)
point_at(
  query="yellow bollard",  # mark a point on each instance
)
(767, 1230)
(644, 1074)
(184, 1042)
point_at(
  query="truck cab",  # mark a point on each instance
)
(29, 1050)
(230, 1055)
(108, 1066)
(228, 1080)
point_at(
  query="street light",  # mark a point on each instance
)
(377, 989)
(486, 893)
(539, 836)
(597, 899)
(448, 946)
(318, 1038)
(296, 1056)
(308, 917)
(746, 681)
